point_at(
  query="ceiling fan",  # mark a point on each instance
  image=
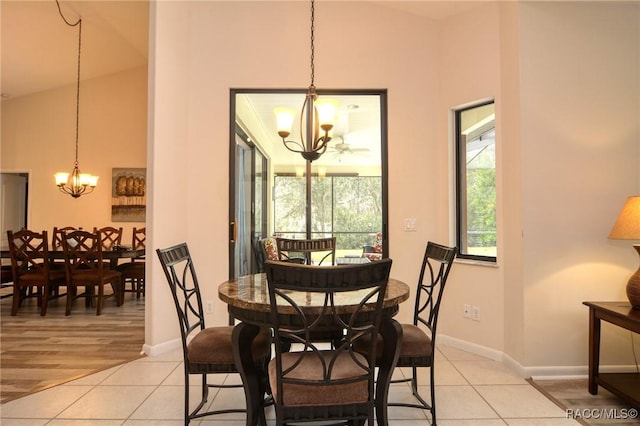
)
(339, 146)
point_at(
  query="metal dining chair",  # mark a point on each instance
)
(289, 248)
(206, 350)
(417, 348)
(309, 382)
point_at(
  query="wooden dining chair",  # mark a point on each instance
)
(206, 350)
(133, 272)
(31, 268)
(311, 382)
(111, 237)
(419, 338)
(56, 243)
(58, 233)
(86, 268)
(301, 250)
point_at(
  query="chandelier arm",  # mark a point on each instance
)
(298, 148)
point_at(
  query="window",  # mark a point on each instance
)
(345, 206)
(476, 182)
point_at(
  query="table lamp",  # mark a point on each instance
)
(627, 227)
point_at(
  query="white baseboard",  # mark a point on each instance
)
(536, 373)
(155, 350)
(473, 348)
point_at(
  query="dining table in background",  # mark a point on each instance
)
(247, 299)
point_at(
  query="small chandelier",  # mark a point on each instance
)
(316, 117)
(76, 183)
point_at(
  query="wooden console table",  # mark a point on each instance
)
(624, 385)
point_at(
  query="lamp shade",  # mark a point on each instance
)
(627, 226)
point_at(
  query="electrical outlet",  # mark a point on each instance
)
(209, 306)
(475, 313)
(466, 310)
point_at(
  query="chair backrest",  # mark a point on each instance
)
(111, 236)
(181, 276)
(288, 248)
(83, 251)
(292, 287)
(438, 260)
(29, 251)
(139, 237)
(56, 238)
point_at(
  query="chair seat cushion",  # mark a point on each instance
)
(34, 276)
(86, 275)
(132, 270)
(213, 345)
(415, 343)
(315, 394)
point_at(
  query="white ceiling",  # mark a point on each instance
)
(39, 51)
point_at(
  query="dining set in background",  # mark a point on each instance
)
(48, 266)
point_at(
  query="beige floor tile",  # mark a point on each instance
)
(85, 422)
(519, 401)
(541, 422)
(24, 422)
(460, 402)
(45, 404)
(453, 354)
(108, 402)
(141, 373)
(487, 372)
(167, 403)
(471, 422)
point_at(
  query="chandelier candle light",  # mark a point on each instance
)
(627, 227)
(76, 183)
(316, 118)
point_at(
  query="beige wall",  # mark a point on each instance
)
(38, 136)
(566, 82)
(550, 159)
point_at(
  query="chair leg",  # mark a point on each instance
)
(45, 299)
(100, 298)
(16, 300)
(70, 294)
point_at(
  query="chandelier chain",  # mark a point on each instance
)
(79, 25)
(313, 70)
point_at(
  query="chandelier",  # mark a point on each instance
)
(316, 117)
(76, 183)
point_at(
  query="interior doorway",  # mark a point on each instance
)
(15, 196)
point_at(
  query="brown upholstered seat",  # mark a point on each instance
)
(206, 350)
(31, 267)
(307, 381)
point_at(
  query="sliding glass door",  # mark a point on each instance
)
(343, 193)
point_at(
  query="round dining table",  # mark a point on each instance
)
(247, 299)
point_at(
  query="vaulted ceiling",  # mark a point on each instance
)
(39, 51)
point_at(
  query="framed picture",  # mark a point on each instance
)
(128, 195)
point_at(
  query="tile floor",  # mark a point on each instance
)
(471, 391)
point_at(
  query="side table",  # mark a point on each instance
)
(624, 385)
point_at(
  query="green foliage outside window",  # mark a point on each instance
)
(348, 207)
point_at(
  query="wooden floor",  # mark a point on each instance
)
(40, 352)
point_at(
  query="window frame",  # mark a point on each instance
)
(460, 169)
